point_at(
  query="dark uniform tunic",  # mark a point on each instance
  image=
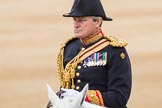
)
(108, 70)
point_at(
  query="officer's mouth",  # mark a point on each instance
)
(77, 31)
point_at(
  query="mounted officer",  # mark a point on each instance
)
(94, 58)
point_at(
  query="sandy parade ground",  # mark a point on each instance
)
(32, 31)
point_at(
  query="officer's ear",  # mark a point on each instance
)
(98, 21)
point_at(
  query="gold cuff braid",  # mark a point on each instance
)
(94, 97)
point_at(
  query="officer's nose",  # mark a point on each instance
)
(76, 24)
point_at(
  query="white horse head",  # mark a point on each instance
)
(67, 102)
(70, 102)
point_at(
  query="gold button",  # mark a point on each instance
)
(78, 81)
(92, 95)
(79, 67)
(83, 48)
(77, 88)
(122, 55)
(77, 74)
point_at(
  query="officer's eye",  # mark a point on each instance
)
(81, 20)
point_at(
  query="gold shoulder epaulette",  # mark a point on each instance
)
(115, 42)
(68, 40)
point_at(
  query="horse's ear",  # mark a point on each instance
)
(83, 93)
(53, 98)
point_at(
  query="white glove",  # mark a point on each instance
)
(69, 93)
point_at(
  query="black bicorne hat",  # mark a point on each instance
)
(87, 8)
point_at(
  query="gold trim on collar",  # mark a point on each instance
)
(91, 39)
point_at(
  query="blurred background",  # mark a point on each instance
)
(32, 31)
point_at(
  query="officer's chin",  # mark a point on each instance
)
(78, 35)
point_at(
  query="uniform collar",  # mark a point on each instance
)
(93, 38)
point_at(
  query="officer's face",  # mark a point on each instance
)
(85, 26)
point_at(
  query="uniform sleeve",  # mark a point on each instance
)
(119, 79)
